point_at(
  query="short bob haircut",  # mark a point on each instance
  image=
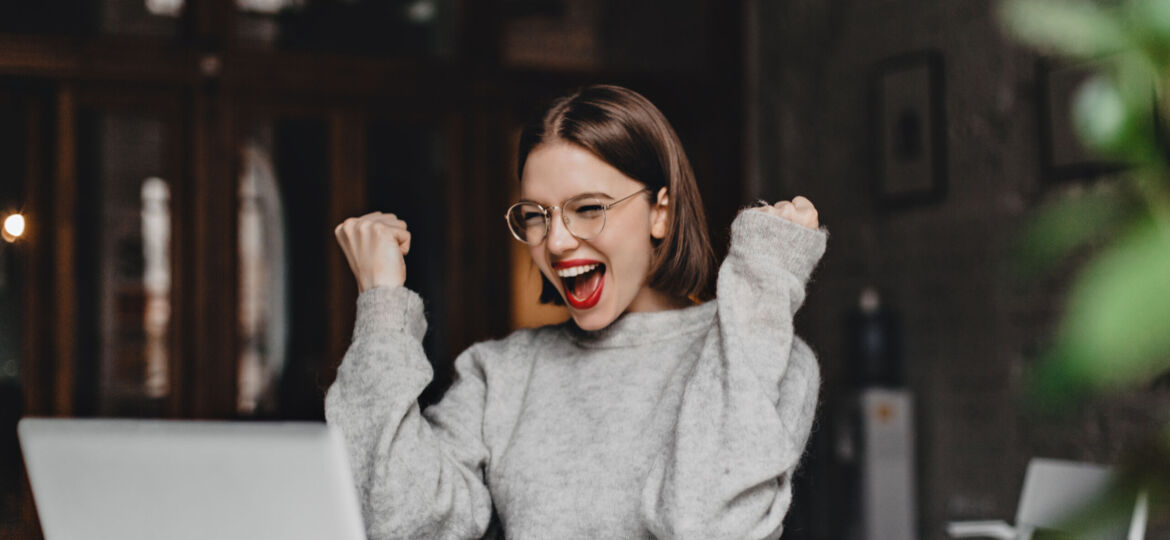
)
(625, 130)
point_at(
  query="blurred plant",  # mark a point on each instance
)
(1115, 333)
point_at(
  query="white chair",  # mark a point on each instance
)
(1053, 489)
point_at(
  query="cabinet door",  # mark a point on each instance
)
(21, 144)
(283, 234)
(128, 257)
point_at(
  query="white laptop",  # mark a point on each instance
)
(150, 479)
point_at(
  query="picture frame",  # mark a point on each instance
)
(908, 111)
(1062, 156)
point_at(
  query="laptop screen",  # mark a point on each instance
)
(149, 479)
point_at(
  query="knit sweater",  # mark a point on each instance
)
(684, 423)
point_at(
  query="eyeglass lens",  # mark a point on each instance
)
(583, 217)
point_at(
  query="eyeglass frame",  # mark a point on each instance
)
(547, 211)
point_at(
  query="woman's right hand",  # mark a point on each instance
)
(374, 246)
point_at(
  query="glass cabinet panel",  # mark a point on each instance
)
(283, 232)
(124, 260)
(385, 28)
(148, 18)
(155, 18)
(13, 152)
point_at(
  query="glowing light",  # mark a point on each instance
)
(13, 227)
(165, 8)
(422, 11)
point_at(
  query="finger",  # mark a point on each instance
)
(401, 239)
(811, 218)
(806, 213)
(404, 244)
(393, 222)
(344, 231)
(786, 210)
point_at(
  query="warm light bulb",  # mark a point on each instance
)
(13, 227)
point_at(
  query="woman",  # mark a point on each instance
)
(655, 412)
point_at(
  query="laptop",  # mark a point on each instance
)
(150, 479)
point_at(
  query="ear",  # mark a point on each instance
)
(660, 216)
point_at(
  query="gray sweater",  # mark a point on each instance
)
(685, 423)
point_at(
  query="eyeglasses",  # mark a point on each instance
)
(583, 215)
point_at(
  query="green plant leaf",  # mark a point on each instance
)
(1115, 118)
(1116, 329)
(1072, 27)
(1101, 116)
(1064, 225)
(1149, 23)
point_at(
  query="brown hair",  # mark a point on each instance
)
(625, 130)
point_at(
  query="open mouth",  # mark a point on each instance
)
(583, 284)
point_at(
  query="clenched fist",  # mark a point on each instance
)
(799, 211)
(374, 246)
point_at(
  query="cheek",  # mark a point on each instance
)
(634, 254)
(536, 253)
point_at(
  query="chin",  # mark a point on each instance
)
(591, 322)
(593, 319)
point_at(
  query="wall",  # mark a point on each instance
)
(971, 327)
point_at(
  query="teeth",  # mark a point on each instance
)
(576, 270)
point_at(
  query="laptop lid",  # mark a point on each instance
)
(149, 479)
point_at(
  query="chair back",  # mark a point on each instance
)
(1054, 490)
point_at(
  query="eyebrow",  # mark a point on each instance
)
(588, 194)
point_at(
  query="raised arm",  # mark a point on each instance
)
(748, 404)
(418, 475)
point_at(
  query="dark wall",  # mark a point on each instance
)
(971, 329)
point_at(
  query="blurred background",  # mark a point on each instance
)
(179, 166)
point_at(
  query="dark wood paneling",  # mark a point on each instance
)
(36, 352)
(64, 327)
(347, 143)
(212, 384)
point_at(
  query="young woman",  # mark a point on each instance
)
(660, 410)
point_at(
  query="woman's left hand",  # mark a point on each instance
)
(799, 211)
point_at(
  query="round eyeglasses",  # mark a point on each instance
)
(583, 215)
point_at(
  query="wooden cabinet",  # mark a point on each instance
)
(181, 166)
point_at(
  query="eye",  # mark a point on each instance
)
(532, 218)
(588, 211)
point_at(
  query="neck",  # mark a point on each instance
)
(652, 300)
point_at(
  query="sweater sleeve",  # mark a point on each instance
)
(747, 407)
(418, 475)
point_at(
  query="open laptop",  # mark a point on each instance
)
(150, 479)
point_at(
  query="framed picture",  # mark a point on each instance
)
(1062, 156)
(909, 130)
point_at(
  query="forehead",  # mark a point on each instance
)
(554, 172)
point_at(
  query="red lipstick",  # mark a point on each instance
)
(568, 284)
(560, 265)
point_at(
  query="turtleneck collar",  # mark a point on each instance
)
(644, 327)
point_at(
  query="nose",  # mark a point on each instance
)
(559, 240)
